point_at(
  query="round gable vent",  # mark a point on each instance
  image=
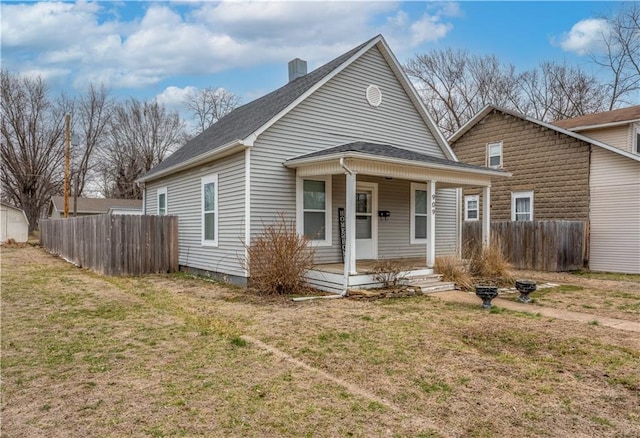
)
(374, 95)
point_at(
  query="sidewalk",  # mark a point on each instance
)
(567, 315)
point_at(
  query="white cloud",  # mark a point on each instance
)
(585, 36)
(174, 97)
(94, 43)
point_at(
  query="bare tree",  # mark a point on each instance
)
(90, 119)
(455, 85)
(620, 56)
(559, 91)
(32, 147)
(209, 105)
(140, 135)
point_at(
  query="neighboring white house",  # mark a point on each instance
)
(92, 206)
(13, 224)
(347, 150)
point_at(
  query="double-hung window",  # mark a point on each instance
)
(636, 139)
(494, 154)
(314, 209)
(419, 213)
(162, 201)
(521, 206)
(471, 207)
(210, 210)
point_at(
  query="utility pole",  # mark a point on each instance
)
(66, 163)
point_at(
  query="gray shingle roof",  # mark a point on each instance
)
(618, 115)
(246, 119)
(97, 205)
(388, 151)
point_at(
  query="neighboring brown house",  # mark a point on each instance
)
(91, 206)
(556, 174)
(619, 128)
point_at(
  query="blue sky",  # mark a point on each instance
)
(149, 49)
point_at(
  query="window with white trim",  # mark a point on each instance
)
(494, 154)
(471, 207)
(419, 212)
(521, 206)
(210, 210)
(314, 209)
(162, 201)
(636, 139)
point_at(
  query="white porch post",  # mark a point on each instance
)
(431, 223)
(486, 216)
(350, 221)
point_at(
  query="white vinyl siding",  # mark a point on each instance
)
(521, 206)
(419, 213)
(615, 213)
(447, 222)
(494, 154)
(209, 203)
(162, 201)
(471, 207)
(617, 136)
(186, 202)
(335, 114)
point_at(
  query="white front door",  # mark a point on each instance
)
(366, 220)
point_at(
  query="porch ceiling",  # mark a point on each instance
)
(392, 162)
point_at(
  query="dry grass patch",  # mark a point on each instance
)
(489, 265)
(598, 296)
(167, 355)
(453, 270)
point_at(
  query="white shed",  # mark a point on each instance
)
(13, 224)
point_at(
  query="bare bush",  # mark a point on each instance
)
(489, 264)
(389, 273)
(278, 259)
(453, 270)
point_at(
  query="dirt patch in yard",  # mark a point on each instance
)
(86, 355)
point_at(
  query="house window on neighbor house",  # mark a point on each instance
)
(315, 219)
(471, 207)
(162, 201)
(210, 210)
(494, 154)
(521, 206)
(419, 213)
(636, 139)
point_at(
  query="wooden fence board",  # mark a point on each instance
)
(115, 244)
(552, 246)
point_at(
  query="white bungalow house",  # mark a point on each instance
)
(347, 150)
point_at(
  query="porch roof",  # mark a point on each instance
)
(391, 161)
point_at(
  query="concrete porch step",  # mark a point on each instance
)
(429, 283)
(435, 288)
(428, 277)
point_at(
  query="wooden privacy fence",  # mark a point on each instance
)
(552, 246)
(115, 244)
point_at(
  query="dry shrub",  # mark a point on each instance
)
(490, 264)
(453, 270)
(389, 273)
(278, 259)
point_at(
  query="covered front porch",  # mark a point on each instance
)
(330, 276)
(346, 181)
